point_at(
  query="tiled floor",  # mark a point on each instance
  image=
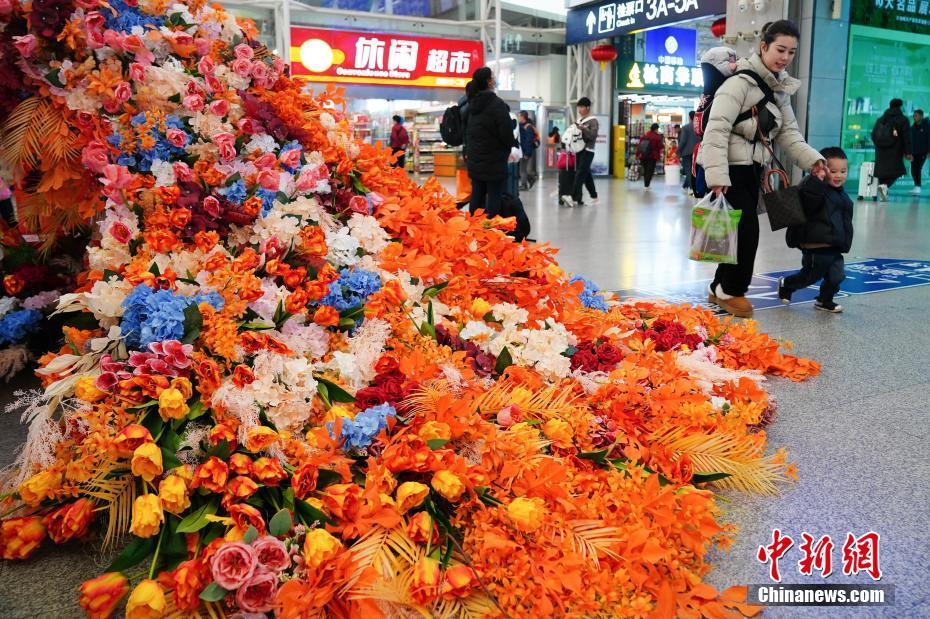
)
(858, 432)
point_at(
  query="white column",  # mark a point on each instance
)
(497, 34)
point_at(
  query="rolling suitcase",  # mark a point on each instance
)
(868, 184)
(566, 165)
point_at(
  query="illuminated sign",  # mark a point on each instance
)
(347, 57)
(652, 76)
(670, 45)
(909, 15)
(615, 17)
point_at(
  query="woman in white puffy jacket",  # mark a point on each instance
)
(732, 155)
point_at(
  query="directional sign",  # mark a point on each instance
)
(615, 17)
(879, 274)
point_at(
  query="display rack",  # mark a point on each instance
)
(362, 127)
(427, 143)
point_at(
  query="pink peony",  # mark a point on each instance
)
(271, 553)
(123, 92)
(257, 595)
(359, 204)
(182, 171)
(26, 45)
(265, 161)
(242, 67)
(219, 107)
(113, 39)
(193, 102)
(259, 70)
(137, 72)
(94, 156)
(233, 565)
(120, 232)
(270, 179)
(213, 83)
(249, 126)
(244, 51)
(176, 137)
(206, 66)
(291, 158)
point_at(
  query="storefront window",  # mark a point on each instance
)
(882, 65)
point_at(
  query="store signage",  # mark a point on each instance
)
(677, 46)
(635, 76)
(615, 17)
(909, 15)
(347, 57)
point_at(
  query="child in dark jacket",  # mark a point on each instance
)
(826, 235)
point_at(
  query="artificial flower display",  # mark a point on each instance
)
(296, 384)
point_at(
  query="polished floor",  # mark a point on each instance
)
(858, 432)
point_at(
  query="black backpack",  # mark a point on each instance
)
(884, 134)
(451, 127)
(511, 206)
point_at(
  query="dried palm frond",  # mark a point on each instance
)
(385, 550)
(22, 134)
(749, 469)
(553, 401)
(591, 538)
(474, 606)
(425, 399)
(117, 494)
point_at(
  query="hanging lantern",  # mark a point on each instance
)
(603, 54)
(719, 27)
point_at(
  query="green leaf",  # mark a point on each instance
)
(232, 179)
(429, 316)
(197, 519)
(250, 535)
(346, 322)
(280, 523)
(336, 393)
(700, 478)
(504, 361)
(288, 498)
(154, 424)
(428, 330)
(221, 451)
(309, 515)
(169, 459)
(134, 553)
(437, 443)
(432, 291)
(256, 325)
(213, 531)
(213, 593)
(197, 410)
(323, 390)
(599, 456)
(154, 269)
(327, 477)
(193, 323)
(54, 78)
(173, 545)
(141, 406)
(175, 98)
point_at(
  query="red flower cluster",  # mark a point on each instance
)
(389, 385)
(669, 335)
(594, 356)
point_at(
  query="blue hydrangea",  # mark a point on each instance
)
(352, 289)
(124, 17)
(268, 197)
(359, 432)
(15, 326)
(235, 193)
(158, 315)
(589, 296)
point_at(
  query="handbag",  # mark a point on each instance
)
(783, 205)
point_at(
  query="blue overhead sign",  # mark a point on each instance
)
(615, 17)
(674, 46)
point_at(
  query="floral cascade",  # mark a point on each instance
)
(313, 388)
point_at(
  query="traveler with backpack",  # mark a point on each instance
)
(399, 141)
(580, 138)
(892, 138)
(752, 104)
(687, 142)
(920, 146)
(649, 151)
(529, 142)
(489, 138)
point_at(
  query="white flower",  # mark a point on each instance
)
(209, 124)
(344, 363)
(343, 248)
(164, 173)
(105, 299)
(7, 304)
(371, 236)
(477, 330)
(510, 314)
(305, 339)
(262, 142)
(272, 296)
(366, 346)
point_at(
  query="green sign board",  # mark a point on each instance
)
(656, 77)
(908, 15)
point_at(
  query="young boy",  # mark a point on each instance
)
(825, 237)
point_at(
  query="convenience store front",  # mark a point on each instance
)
(388, 74)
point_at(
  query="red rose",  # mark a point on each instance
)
(585, 359)
(609, 354)
(369, 396)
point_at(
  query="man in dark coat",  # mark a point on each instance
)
(892, 138)
(687, 141)
(920, 146)
(489, 137)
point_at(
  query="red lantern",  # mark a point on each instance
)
(603, 54)
(719, 27)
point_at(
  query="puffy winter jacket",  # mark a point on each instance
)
(889, 160)
(489, 136)
(829, 213)
(725, 145)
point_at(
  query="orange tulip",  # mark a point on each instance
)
(101, 595)
(19, 537)
(39, 487)
(448, 484)
(212, 475)
(326, 316)
(268, 471)
(129, 438)
(240, 464)
(319, 547)
(424, 586)
(222, 432)
(458, 582)
(422, 529)
(260, 438)
(239, 489)
(70, 521)
(190, 578)
(304, 480)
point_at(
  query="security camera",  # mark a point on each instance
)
(743, 6)
(759, 5)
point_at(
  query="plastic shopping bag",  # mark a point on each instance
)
(713, 230)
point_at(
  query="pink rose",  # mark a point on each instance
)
(176, 137)
(509, 415)
(120, 232)
(227, 151)
(249, 126)
(220, 107)
(113, 39)
(278, 65)
(203, 45)
(123, 92)
(257, 595)
(26, 45)
(244, 51)
(269, 179)
(137, 72)
(232, 565)
(310, 176)
(266, 161)
(214, 83)
(193, 102)
(94, 20)
(271, 553)
(182, 172)
(95, 39)
(182, 38)
(112, 106)
(205, 65)
(358, 204)
(291, 158)
(242, 67)
(259, 70)
(211, 206)
(116, 176)
(134, 45)
(94, 156)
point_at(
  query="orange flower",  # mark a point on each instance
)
(147, 601)
(70, 521)
(326, 316)
(319, 547)
(304, 480)
(215, 262)
(222, 432)
(129, 438)
(313, 241)
(13, 284)
(448, 484)
(147, 461)
(296, 302)
(247, 260)
(458, 582)
(206, 241)
(424, 584)
(527, 514)
(173, 494)
(269, 471)
(212, 475)
(239, 489)
(245, 516)
(260, 438)
(101, 595)
(240, 464)
(39, 487)
(19, 537)
(180, 217)
(422, 529)
(242, 376)
(342, 501)
(435, 430)
(162, 241)
(85, 389)
(559, 432)
(190, 578)
(184, 386)
(147, 516)
(410, 494)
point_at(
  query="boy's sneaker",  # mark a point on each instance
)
(883, 193)
(784, 295)
(828, 306)
(594, 201)
(916, 191)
